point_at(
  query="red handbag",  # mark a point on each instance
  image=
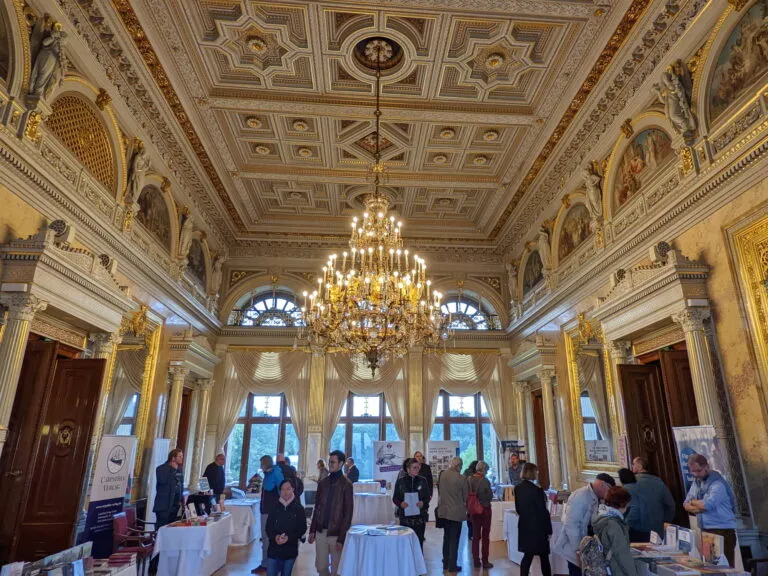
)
(473, 504)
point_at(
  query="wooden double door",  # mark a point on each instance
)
(658, 396)
(43, 465)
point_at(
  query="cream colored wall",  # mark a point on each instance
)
(706, 242)
(17, 218)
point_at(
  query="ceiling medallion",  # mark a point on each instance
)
(305, 152)
(300, 125)
(376, 302)
(253, 122)
(256, 44)
(445, 202)
(480, 160)
(495, 60)
(262, 150)
(378, 52)
(491, 136)
(447, 133)
(440, 159)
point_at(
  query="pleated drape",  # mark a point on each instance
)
(127, 380)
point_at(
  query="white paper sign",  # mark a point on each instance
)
(412, 498)
(440, 453)
(114, 467)
(388, 460)
(655, 538)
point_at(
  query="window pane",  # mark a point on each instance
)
(130, 411)
(124, 430)
(363, 437)
(489, 448)
(263, 442)
(235, 454)
(440, 406)
(266, 406)
(483, 408)
(243, 409)
(438, 432)
(365, 406)
(344, 410)
(463, 406)
(391, 432)
(467, 437)
(387, 413)
(586, 407)
(291, 444)
(338, 440)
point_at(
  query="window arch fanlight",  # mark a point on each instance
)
(469, 313)
(267, 308)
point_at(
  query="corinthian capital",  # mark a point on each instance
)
(523, 386)
(178, 372)
(691, 319)
(204, 384)
(21, 305)
(619, 349)
(104, 341)
(546, 377)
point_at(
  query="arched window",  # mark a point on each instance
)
(274, 309)
(469, 314)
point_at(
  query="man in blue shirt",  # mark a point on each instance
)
(270, 495)
(711, 499)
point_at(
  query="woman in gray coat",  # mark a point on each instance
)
(613, 532)
(481, 523)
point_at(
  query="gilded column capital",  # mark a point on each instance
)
(317, 350)
(205, 384)
(546, 376)
(522, 386)
(619, 349)
(178, 372)
(692, 319)
(22, 305)
(104, 342)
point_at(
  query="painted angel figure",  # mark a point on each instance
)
(50, 62)
(545, 251)
(674, 91)
(594, 193)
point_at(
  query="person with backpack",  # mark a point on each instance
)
(612, 535)
(534, 524)
(479, 509)
(637, 515)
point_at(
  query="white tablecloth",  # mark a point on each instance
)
(497, 519)
(370, 487)
(246, 525)
(373, 509)
(558, 563)
(126, 571)
(193, 550)
(381, 555)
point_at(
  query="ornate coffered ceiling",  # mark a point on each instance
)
(277, 104)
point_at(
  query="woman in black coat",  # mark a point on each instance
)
(534, 524)
(285, 526)
(412, 482)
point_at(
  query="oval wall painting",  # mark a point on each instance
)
(534, 271)
(648, 152)
(742, 61)
(574, 231)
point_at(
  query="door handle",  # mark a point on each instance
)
(14, 474)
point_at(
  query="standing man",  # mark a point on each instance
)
(659, 503)
(170, 487)
(351, 471)
(515, 470)
(452, 508)
(214, 472)
(712, 500)
(577, 516)
(332, 515)
(270, 496)
(285, 465)
(425, 471)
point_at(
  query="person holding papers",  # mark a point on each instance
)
(411, 496)
(285, 525)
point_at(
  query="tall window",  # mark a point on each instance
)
(465, 418)
(469, 314)
(276, 309)
(591, 430)
(128, 422)
(364, 419)
(263, 427)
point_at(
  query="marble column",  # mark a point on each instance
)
(620, 353)
(315, 446)
(521, 390)
(21, 309)
(416, 411)
(203, 392)
(550, 428)
(702, 371)
(178, 375)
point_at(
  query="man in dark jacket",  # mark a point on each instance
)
(214, 472)
(169, 488)
(270, 494)
(286, 525)
(658, 500)
(351, 471)
(332, 516)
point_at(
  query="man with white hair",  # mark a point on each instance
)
(452, 509)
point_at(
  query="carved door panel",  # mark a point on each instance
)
(678, 385)
(18, 454)
(542, 460)
(61, 448)
(649, 429)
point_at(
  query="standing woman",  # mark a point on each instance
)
(412, 483)
(481, 523)
(286, 524)
(425, 471)
(469, 471)
(322, 470)
(613, 531)
(534, 525)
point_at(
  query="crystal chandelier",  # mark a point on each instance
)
(376, 300)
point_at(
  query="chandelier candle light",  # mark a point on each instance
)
(377, 301)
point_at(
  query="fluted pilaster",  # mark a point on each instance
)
(178, 375)
(550, 428)
(203, 391)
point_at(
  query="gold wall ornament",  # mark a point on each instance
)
(103, 99)
(626, 128)
(737, 4)
(31, 131)
(686, 162)
(165, 185)
(586, 331)
(128, 219)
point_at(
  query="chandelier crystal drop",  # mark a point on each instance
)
(375, 301)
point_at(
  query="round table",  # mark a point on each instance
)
(372, 487)
(395, 552)
(373, 509)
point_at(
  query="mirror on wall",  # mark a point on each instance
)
(591, 390)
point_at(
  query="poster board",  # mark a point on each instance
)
(388, 459)
(111, 480)
(160, 449)
(699, 440)
(440, 453)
